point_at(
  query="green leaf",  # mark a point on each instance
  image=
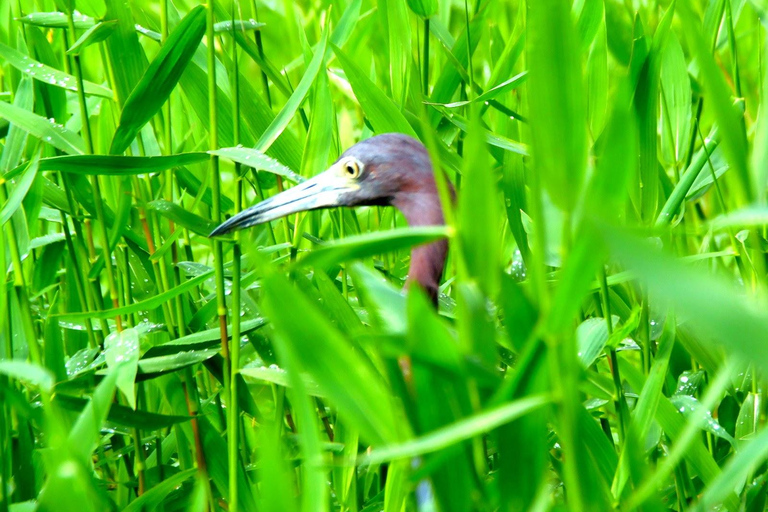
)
(382, 112)
(145, 305)
(460, 430)
(85, 433)
(558, 120)
(181, 216)
(646, 103)
(399, 42)
(93, 35)
(122, 415)
(676, 102)
(423, 8)
(49, 132)
(28, 373)
(153, 497)
(348, 380)
(56, 20)
(49, 75)
(716, 311)
(736, 471)
(236, 25)
(729, 117)
(160, 78)
(691, 175)
(370, 244)
(489, 94)
(258, 160)
(115, 165)
(479, 214)
(16, 138)
(121, 351)
(282, 119)
(19, 191)
(280, 377)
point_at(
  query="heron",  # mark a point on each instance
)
(391, 169)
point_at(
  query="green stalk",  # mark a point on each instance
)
(233, 418)
(86, 129)
(20, 286)
(193, 408)
(622, 409)
(425, 60)
(260, 46)
(218, 256)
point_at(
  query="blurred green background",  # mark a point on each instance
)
(601, 339)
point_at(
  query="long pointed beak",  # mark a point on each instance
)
(323, 191)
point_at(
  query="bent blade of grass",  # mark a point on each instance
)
(504, 87)
(558, 119)
(145, 305)
(458, 431)
(49, 75)
(258, 160)
(381, 111)
(370, 244)
(280, 122)
(715, 310)
(114, 165)
(54, 134)
(20, 191)
(93, 35)
(161, 77)
(343, 374)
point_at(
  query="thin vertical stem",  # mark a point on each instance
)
(233, 410)
(215, 180)
(425, 60)
(622, 409)
(86, 129)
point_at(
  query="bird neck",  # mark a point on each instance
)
(422, 208)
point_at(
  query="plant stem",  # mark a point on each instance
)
(95, 180)
(233, 418)
(425, 60)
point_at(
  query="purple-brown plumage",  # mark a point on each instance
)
(388, 169)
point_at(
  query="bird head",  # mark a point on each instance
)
(377, 171)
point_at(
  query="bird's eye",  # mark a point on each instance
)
(352, 169)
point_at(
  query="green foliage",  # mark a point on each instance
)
(599, 336)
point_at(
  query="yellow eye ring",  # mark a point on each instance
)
(351, 168)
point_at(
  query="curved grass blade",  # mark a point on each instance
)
(280, 122)
(160, 78)
(145, 305)
(116, 165)
(559, 122)
(349, 380)
(456, 432)
(490, 137)
(152, 498)
(381, 111)
(16, 138)
(182, 217)
(54, 134)
(504, 87)
(19, 191)
(28, 373)
(237, 25)
(370, 244)
(49, 75)
(122, 415)
(258, 160)
(56, 20)
(93, 35)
